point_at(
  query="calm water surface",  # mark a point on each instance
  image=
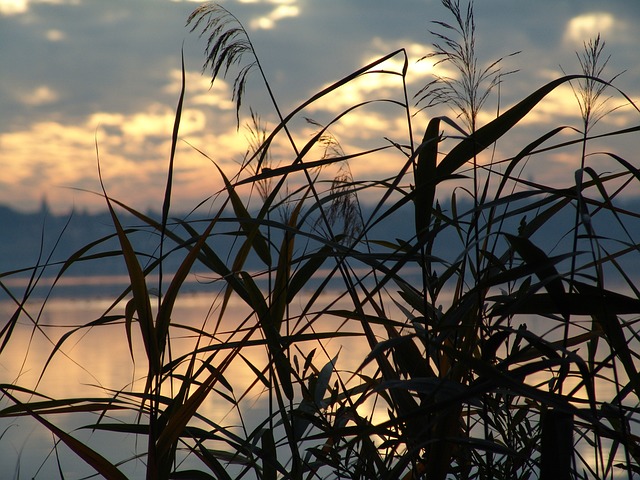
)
(93, 362)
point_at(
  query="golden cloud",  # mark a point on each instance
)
(54, 35)
(583, 27)
(133, 149)
(15, 7)
(200, 90)
(157, 122)
(376, 84)
(41, 95)
(269, 21)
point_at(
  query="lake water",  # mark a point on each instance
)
(93, 361)
(97, 359)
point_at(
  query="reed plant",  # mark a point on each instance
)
(460, 379)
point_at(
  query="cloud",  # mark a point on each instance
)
(16, 7)
(277, 2)
(561, 105)
(13, 7)
(133, 151)
(583, 27)
(558, 106)
(284, 9)
(156, 122)
(200, 91)
(110, 67)
(49, 153)
(41, 95)
(269, 21)
(383, 81)
(54, 35)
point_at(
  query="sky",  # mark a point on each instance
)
(82, 80)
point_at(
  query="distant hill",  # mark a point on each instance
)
(39, 238)
(42, 238)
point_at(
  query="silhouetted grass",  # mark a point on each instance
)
(461, 380)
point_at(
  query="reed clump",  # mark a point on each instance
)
(460, 380)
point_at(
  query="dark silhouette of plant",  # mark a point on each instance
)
(467, 92)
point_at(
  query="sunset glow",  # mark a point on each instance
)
(82, 77)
